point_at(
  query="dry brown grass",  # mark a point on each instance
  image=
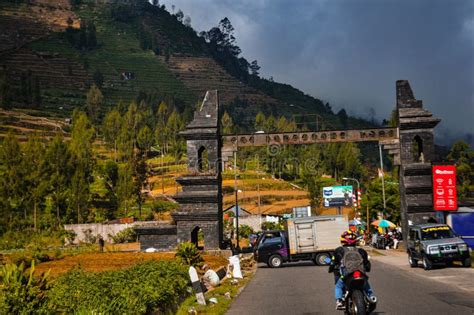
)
(96, 262)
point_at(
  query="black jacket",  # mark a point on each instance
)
(336, 260)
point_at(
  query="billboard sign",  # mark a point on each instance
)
(337, 196)
(444, 187)
(301, 212)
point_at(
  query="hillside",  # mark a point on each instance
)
(165, 58)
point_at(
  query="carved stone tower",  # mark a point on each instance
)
(200, 202)
(416, 154)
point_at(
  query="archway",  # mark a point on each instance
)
(203, 160)
(417, 149)
(197, 237)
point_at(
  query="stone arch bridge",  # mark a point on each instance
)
(411, 144)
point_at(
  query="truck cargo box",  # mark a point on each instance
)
(313, 234)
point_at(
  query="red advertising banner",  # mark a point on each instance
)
(444, 187)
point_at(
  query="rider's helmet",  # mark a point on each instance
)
(349, 238)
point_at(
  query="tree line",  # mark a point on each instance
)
(48, 183)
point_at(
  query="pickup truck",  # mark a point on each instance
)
(435, 243)
(309, 238)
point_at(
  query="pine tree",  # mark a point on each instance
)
(35, 182)
(94, 101)
(111, 129)
(227, 124)
(125, 186)
(83, 162)
(57, 166)
(260, 121)
(145, 139)
(12, 179)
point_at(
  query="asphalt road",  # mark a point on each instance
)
(303, 288)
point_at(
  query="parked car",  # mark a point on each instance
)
(436, 243)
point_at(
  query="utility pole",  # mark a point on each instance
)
(236, 201)
(383, 181)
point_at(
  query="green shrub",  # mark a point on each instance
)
(267, 226)
(127, 235)
(189, 254)
(149, 287)
(163, 206)
(245, 230)
(20, 291)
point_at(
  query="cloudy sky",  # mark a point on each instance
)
(350, 52)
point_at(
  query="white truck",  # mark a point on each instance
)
(310, 238)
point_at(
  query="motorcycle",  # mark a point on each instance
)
(355, 299)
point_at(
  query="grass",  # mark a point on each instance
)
(219, 293)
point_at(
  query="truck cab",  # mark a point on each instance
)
(272, 248)
(435, 243)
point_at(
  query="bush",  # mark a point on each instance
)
(149, 287)
(267, 226)
(163, 206)
(20, 291)
(245, 230)
(127, 235)
(189, 254)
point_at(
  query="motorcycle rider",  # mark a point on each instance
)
(349, 242)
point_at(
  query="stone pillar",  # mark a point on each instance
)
(416, 140)
(200, 202)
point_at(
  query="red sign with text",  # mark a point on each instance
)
(444, 187)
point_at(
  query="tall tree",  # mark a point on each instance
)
(111, 129)
(260, 121)
(145, 139)
(12, 179)
(36, 185)
(94, 101)
(125, 187)
(57, 165)
(227, 124)
(463, 157)
(254, 68)
(83, 162)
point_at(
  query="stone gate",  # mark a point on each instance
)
(411, 144)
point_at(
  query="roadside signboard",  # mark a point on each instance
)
(444, 187)
(301, 212)
(337, 196)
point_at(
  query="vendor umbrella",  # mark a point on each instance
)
(383, 224)
(356, 222)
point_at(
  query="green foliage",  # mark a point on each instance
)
(127, 235)
(245, 230)
(94, 102)
(463, 156)
(20, 291)
(189, 254)
(149, 287)
(373, 198)
(163, 206)
(268, 226)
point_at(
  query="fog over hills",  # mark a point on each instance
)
(351, 53)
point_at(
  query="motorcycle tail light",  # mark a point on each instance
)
(357, 275)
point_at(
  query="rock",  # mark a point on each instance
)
(213, 300)
(151, 250)
(227, 295)
(192, 311)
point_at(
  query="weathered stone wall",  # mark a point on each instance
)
(162, 238)
(100, 229)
